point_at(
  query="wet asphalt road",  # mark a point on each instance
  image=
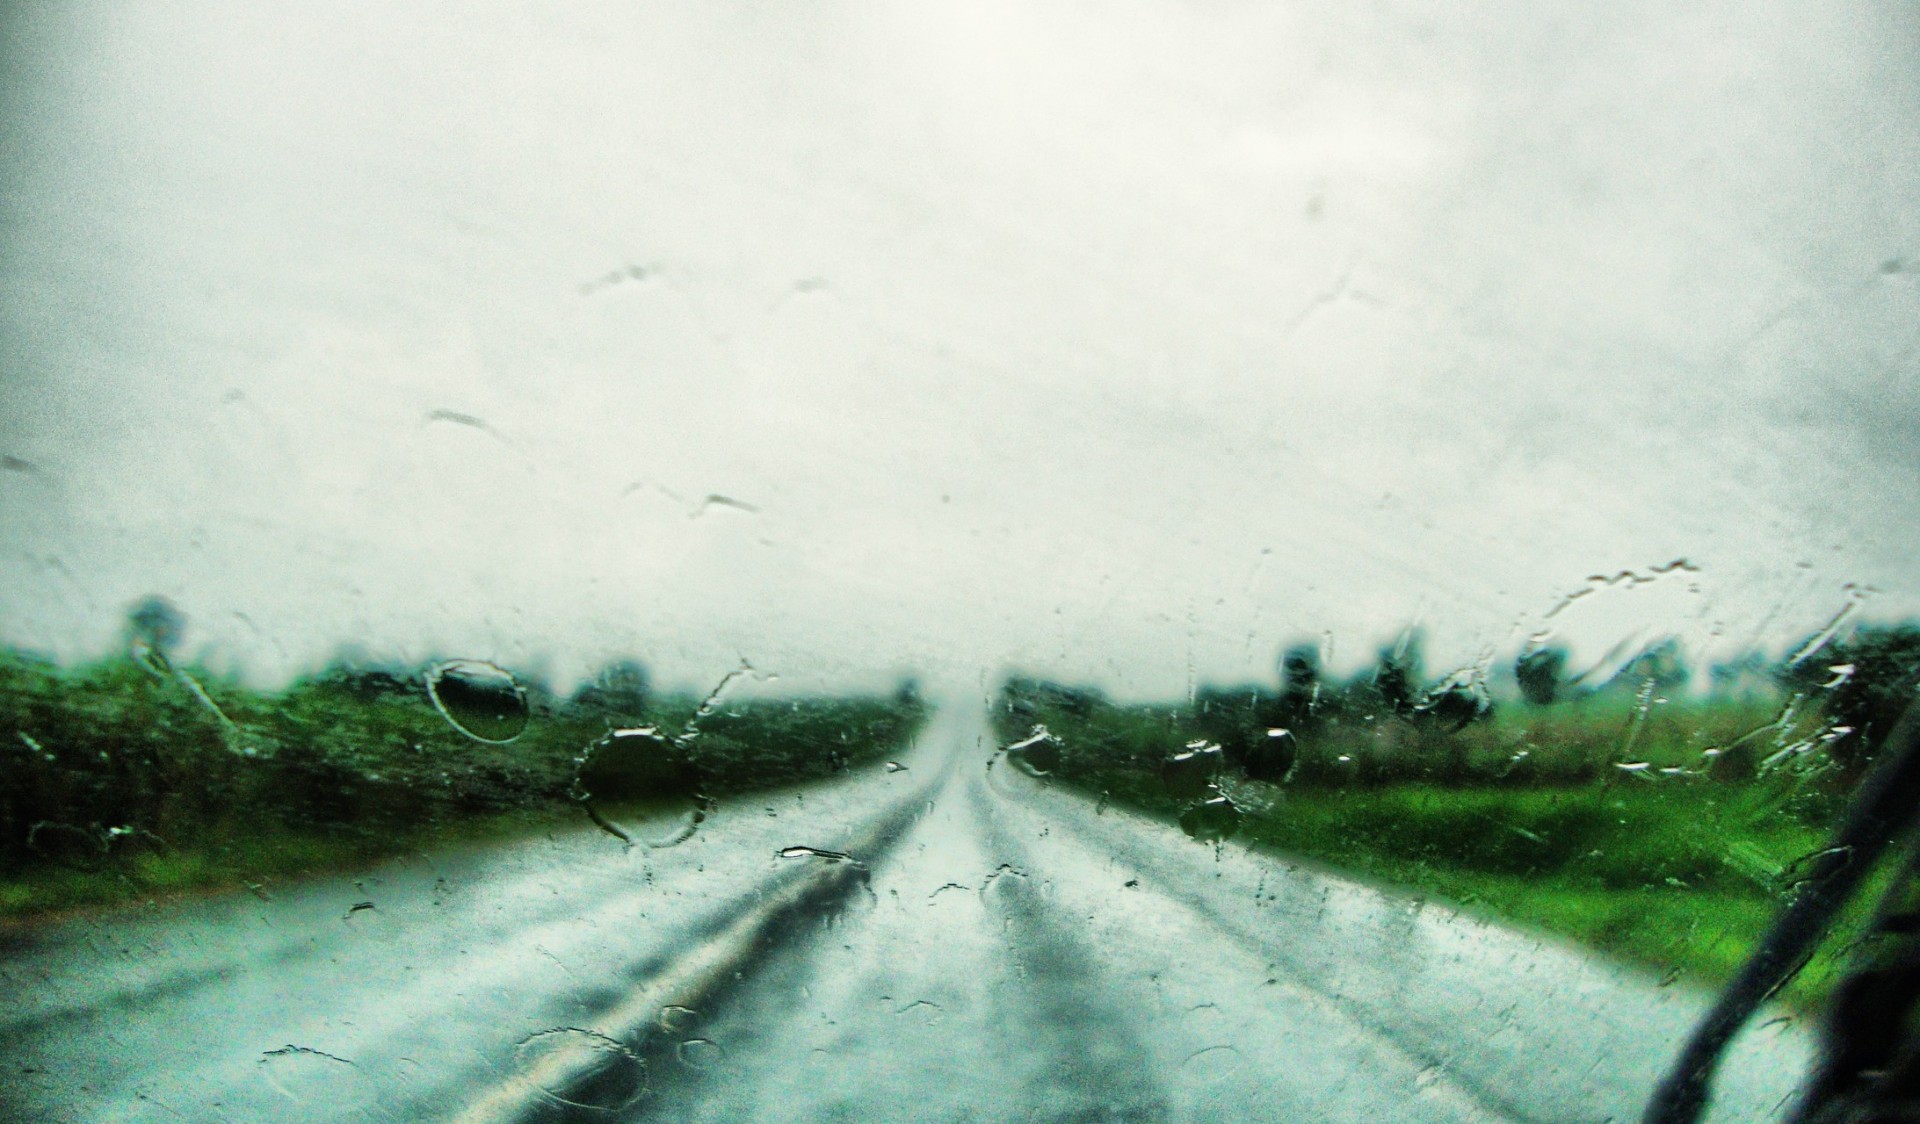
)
(991, 949)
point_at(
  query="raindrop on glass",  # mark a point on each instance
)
(1036, 755)
(76, 847)
(581, 1069)
(1211, 820)
(314, 1077)
(1272, 758)
(632, 777)
(815, 853)
(1188, 775)
(478, 699)
(700, 1053)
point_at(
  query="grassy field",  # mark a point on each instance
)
(127, 779)
(1526, 817)
(258, 860)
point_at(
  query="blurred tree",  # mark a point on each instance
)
(1236, 718)
(353, 673)
(1662, 665)
(1397, 673)
(622, 689)
(1866, 682)
(1027, 698)
(1743, 676)
(1541, 674)
(154, 626)
(1454, 704)
(1300, 685)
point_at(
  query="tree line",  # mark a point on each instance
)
(1822, 708)
(135, 754)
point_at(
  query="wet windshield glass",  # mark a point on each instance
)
(942, 561)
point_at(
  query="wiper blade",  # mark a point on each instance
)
(1883, 812)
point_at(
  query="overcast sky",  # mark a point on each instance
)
(1117, 341)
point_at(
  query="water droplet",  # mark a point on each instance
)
(1272, 758)
(1212, 820)
(309, 1076)
(633, 775)
(700, 1053)
(70, 846)
(125, 840)
(715, 500)
(458, 418)
(582, 1069)
(997, 875)
(1856, 599)
(675, 1018)
(928, 1009)
(1036, 755)
(711, 704)
(815, 853)
(1212, 1063)
(1188, 775)
(633, 764)
(479, 699)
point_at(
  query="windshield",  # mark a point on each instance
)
(989, 561)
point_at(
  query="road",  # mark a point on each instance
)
(947, 942)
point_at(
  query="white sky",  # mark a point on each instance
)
(1122, 342)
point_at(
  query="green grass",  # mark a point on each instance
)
(1680, 878)
(231, 858)
(1682, 873)
(120, 782)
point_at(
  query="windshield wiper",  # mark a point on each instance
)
(1867, 1069)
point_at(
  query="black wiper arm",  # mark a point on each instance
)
(1882, 812)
